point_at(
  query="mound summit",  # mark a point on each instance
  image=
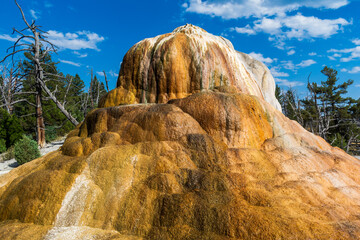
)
(190, 145)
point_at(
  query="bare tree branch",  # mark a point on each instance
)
(67, 90)
(21, 100)
(13, 53)
(23, 15)
(106, 81)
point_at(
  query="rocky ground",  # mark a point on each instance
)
(7, 166)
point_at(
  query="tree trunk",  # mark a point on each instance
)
(106, 81)
(98, 94)
(40, 125)
(9, 94)
(91, 89)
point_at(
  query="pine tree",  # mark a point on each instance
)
(10, 128)
(75, 87)
(38, 49)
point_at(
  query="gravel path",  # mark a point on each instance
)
(7, 166)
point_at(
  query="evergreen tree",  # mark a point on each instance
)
(326, 111)
(278, 94)
(33, 41)
(97, 90)
(290, 104)
(10, 128)
(74, 97)
(54, 119)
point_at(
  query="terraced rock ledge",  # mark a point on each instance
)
(216, 163)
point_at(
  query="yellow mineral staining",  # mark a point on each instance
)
(214, 165)
(117, 96)
(217, 164)
(36, 194)
(187, 61)
(237, 120)
(14, 230)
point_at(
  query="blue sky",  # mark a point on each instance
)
(293, 38)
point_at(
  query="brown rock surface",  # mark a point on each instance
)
(214, 165)
(187, 61)
(208, 157)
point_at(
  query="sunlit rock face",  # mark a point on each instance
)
(187, 61)
(208, 156)
(214, 165)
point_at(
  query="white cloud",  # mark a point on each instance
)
(297, 26)
(8, 37)
(70, 62)
(358, 85)
(75, 41)
(356, 41)
(275, 18)
(275, 71)
(306, 63)
(261, 58)
(347, 59)
(334, 56)
(267, 25)
(291, 52)
(355, 69)
(100, 73)
(354, 53)
(34, 14)
(301, 27)
(288, 65)
(232, 9)
(312, 54)
(110, 73)
(245, 30)
(285, 82)
(113, 74)
(80, 55)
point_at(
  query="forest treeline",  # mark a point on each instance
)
(18, 93)
(37, 100)
(326, 110)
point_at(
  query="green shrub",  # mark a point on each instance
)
(26, 150)
(9, 154)
(50, 134)
(2, 145)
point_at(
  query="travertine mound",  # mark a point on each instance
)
(214, 165)
(187, 61)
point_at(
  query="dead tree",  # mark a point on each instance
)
(10, 87)
(39, 47)
(106, 81)
(95, 90)
(91, 89)
(97, 93)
